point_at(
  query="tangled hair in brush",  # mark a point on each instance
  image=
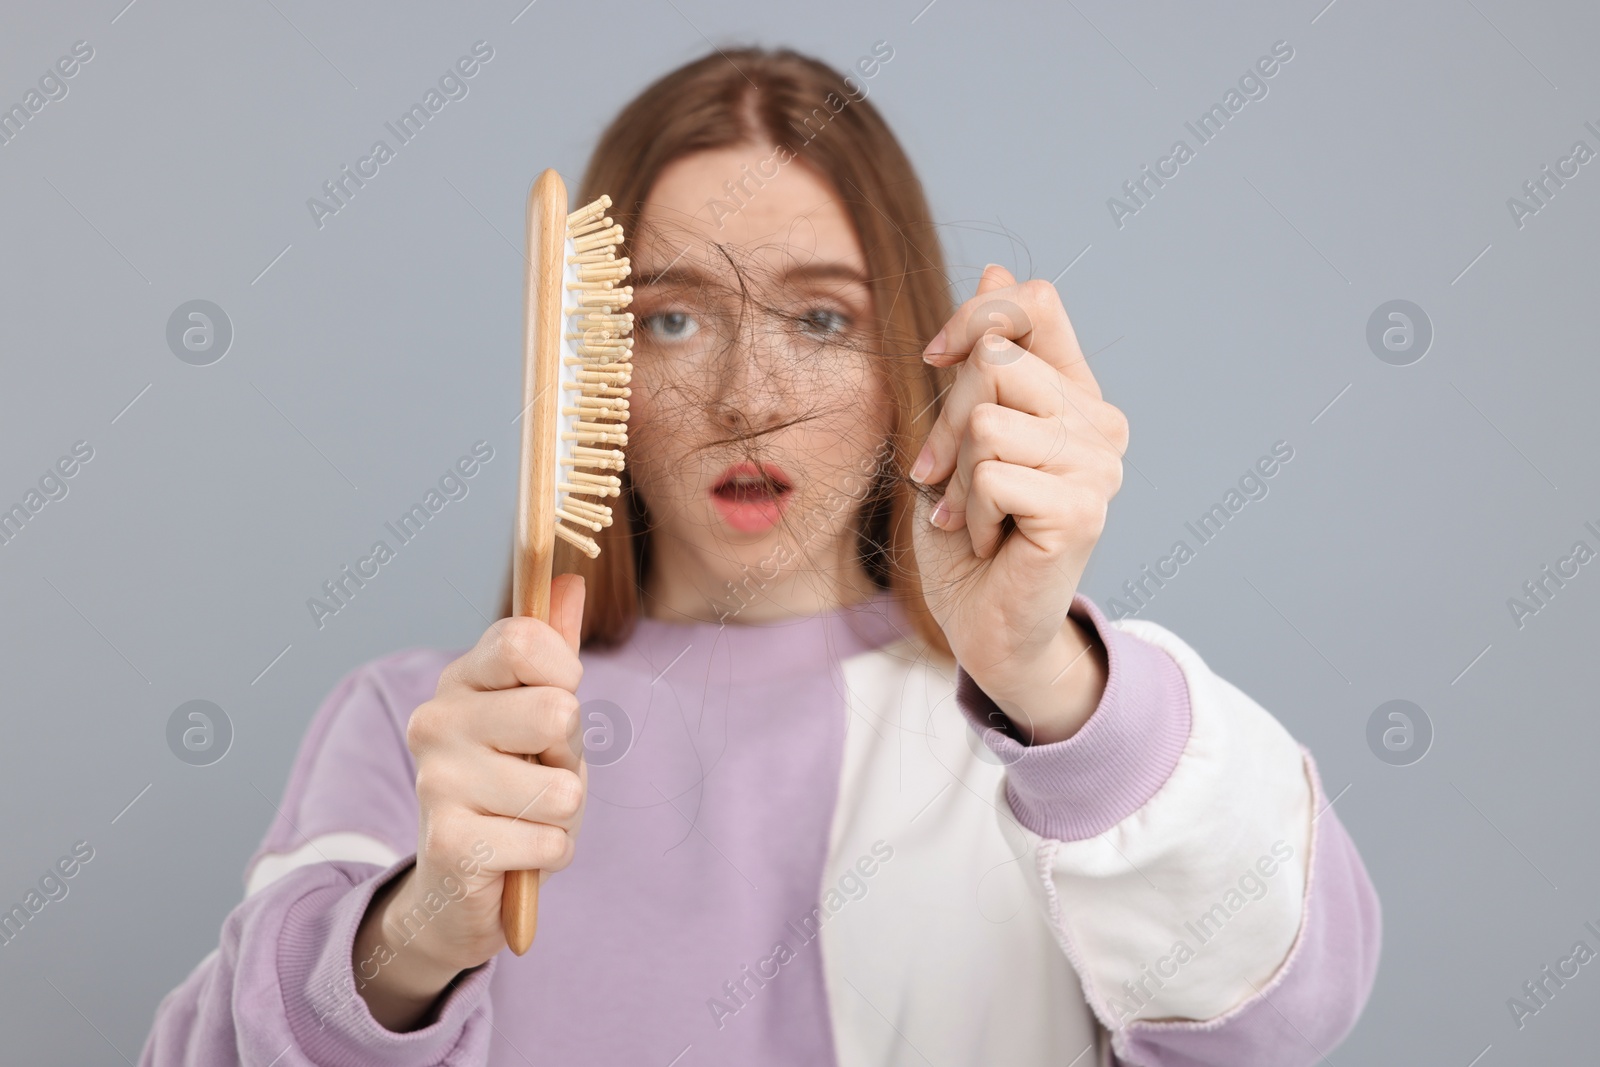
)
(780, 98)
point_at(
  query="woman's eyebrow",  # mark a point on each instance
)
(808, 272)
(670, 275)
(827, 272)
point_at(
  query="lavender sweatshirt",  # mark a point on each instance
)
(805, 854)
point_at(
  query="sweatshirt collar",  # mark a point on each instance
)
(738, 652)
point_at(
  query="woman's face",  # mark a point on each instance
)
(758, 414)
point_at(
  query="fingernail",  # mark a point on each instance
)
(940, 514)
(924, 464)
(935, 346)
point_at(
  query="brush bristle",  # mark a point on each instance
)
(596, 366)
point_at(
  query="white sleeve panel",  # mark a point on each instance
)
(322, 849)
(1187, 907)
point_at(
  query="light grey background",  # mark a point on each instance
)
(1226, 315)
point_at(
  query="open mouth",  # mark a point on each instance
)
(751, 497)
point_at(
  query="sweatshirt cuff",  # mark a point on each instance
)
(328, 1017)
(1079, 788)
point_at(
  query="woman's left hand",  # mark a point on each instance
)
(1023, 432)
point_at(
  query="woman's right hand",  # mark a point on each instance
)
(484, 808)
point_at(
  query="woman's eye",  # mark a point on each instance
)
(823, 323)
(671, 325)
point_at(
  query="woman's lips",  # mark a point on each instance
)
(751, 497)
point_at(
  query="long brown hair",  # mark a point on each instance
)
(792, 102)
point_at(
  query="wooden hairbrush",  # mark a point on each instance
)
(576, 363)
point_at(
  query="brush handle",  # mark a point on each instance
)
(536, 518)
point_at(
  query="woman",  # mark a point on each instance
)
(868, 782)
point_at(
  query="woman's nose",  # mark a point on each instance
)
(750, 395)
